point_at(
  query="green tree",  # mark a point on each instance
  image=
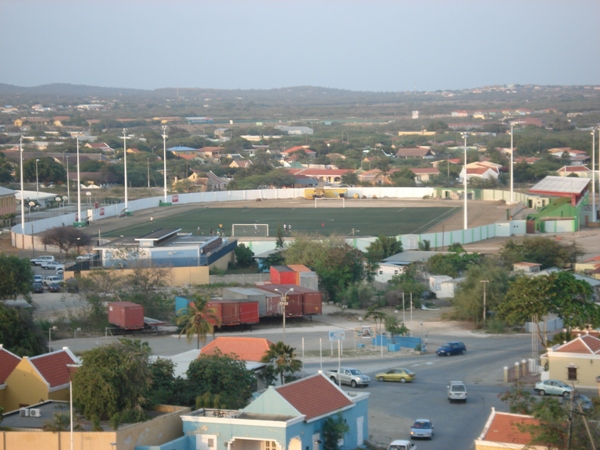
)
(224, 375)
(542, 250)
(467, 303)
(113, 379)
(408, 283)
(335, 262)
(377, 315)
(198, 319)
(66, 238)
(18, 332)
(334, 430)
(279, 243)
(163, 382)
(16, 276)
(452, 264)
(378, 250)
(60, 422)
(282, 363)
(350, 178)
(244, 256)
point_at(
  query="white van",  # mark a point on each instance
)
(457, 391)
(41, 259)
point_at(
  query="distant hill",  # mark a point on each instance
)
(66, 90)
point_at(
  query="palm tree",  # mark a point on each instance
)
(282, 360)
(198, 319)
(378, 316)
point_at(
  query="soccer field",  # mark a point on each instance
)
(323, 221)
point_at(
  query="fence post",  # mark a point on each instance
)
(524, 367)
(506, 374)
(517, 371)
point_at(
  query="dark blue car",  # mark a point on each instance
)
(452, 348)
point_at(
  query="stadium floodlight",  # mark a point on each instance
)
(466, 219)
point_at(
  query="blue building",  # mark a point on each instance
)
(288, 417)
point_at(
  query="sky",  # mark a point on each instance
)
(366, 45)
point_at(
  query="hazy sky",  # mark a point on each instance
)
(371, 45)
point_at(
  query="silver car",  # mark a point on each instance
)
(421, 429)
(553, 387)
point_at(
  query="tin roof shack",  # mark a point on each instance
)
(294, 299)
(282, 275)
(126, 315)
(268, 302)
(312, 301)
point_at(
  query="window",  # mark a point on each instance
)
(572, 373)
(270, 445)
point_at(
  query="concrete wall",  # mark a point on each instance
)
(588, 367)
(176, 276)
(160, 430)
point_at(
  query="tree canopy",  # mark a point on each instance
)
(282, 363)
(220, 381)
(542, 250)
(66, 238)
(16, 276)
(18, 332)
(113, 379)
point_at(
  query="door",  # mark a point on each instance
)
(359, 430)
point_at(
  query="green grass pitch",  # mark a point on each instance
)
(322, 221)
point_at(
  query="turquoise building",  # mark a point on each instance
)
(288, 417)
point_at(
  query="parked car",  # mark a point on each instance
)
(457, 391)
(52, 265)
(37, 288)
(41, 260)
(452, 348)
(579, 399)
(401, 375)
(402, 445)
(38, 279)
(86, 257)
(54, 287)
(52, 279)
(553, 387)
(421, 429)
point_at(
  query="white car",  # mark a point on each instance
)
(52, 279)
(52, 265)
(401, 445)
(86, 257)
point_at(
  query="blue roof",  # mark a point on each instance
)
(181, 148)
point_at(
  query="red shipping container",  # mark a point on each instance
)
(227, 310)
(294, 299)
(126, 315)
(249, 312)
(312, 301)
(282, 275)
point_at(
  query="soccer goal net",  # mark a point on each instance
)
(331, 202)
(250, 229)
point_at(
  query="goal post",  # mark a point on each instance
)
(321, 199)
(250, 229)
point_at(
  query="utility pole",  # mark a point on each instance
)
(484, 282)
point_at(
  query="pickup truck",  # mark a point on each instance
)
(348, 375)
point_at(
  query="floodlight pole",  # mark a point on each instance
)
(512, 194)
(125, 162)
(466, 220)
(484, 282)
(78, 184)
(68, 182)
(164, 136)
(22, 197)
(594, 173)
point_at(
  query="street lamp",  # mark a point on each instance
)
(50, 337)
(484, 282)
(75, 336)
(354, 230)
(148, 162)
(466, 221)
(125, 162)
(37, 184)
(164, 136)
(283, 303)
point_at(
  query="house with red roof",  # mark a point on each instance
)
(298, 149)
(419, 152)
(483, 169)
(325, 176)
(574, 171)
(506, 430)
(424, 174)
(8, 362)
(39, 378)
(576, 362)
(284, 417)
